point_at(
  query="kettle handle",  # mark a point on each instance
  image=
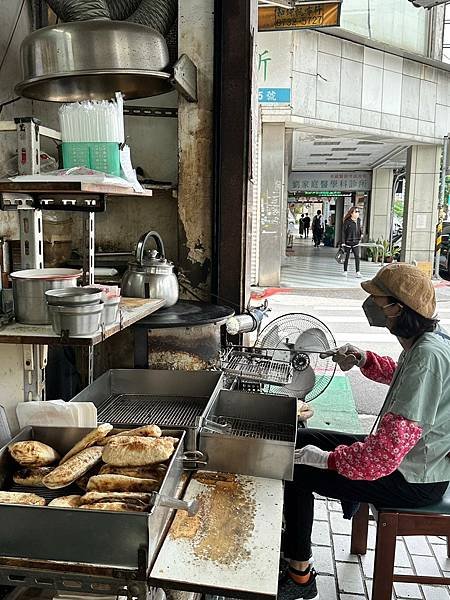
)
(143, 242)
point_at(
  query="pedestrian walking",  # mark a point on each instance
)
(306, 224)
(404, 462)
(317, 229)
(301, 227)
(352, 238)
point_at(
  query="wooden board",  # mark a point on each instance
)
(131, 310)
(69, 187)
(231, 547)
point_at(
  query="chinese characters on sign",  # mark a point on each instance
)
(326, 14)
(344, 181)
(274, 95)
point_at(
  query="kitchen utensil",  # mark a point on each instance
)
(58, 63)
(73, 296)
(29, 287)
(111, 310)
(151, 276)
(76, 320)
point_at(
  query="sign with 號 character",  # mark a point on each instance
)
(306, 15)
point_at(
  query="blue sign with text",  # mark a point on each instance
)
(274, 95)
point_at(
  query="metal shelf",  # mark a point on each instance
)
(131, 310)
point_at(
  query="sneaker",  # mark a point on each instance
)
(358, 275)
(345, 274)
(284, 568)
(289, 590)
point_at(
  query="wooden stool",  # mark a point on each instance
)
(428, 520)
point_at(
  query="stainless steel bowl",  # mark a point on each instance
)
(76, 320)
(29, 287)
(73, 296)
(93, 59)
(111, 310)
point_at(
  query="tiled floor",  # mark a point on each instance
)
(343, 576)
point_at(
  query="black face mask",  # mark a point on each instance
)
(374, 313)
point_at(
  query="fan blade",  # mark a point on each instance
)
(312, 339)
(302, 383)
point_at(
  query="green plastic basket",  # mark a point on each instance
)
(101, 156)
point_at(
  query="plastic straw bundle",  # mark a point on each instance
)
(93, 121)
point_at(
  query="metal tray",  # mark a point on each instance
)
(172, 399)
(251, 434)
(114, 546)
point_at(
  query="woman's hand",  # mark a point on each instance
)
(347, 356)
(312, 456)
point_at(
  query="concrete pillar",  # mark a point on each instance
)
(272, 214)
(381, 198)
(421, 202)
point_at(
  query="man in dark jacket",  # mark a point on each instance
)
(306, 224)
(317, 229)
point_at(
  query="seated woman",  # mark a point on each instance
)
(405, 462)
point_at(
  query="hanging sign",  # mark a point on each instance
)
(341, 181)
(308, 15)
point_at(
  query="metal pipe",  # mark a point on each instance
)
(437, 258)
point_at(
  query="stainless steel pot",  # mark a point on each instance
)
(29, 287)
(73, 296)
(76, 320)
(151, 276)
(93, 59)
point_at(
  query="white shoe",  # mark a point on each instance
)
(358, 275)
(345, 274)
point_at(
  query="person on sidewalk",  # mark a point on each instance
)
(352, 238)
(317, 229)
(306, 224)
(404, 462)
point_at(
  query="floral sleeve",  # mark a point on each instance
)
(379, 368)
(381, 453)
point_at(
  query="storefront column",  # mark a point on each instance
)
(381, 200)
(272, 215)
(421, 202)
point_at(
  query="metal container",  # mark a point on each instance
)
(117, 548)
(251, 434)
(73, 296)
(151, 276)
(29, 287)
(58, 63)
(76, 320)
(110, 310)
(133, 397)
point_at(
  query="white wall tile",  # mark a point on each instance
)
(429, 73)
(443, 88)
(392, 92)
(351, 83)
(393, 62)
(408, 125)
(441, 121)
(390, 122)
(370, 118)
(426, 129)
(327, 111)
(304, 94)
(373, 57)
(305, 51)
(328, 77)
(350, 115)
(330, 44)
(410, 97)
(427, 107)
(372, 88)
(352, 51)
(412, 68)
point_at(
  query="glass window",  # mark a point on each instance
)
(394, 22)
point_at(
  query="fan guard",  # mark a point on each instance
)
(287, 335)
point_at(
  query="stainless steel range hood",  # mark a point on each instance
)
(92, 59)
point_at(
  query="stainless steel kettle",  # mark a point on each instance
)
(151, 275)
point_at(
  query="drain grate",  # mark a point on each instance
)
(166, 411)
(277, 432)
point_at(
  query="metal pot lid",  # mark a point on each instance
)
(58, 63)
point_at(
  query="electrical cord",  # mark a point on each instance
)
(11, 36)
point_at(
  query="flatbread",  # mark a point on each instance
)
(89, 440)
(66, 501)
(73, 469)
(21, 498)
(133, 451)
(31, 453)
(121, 483)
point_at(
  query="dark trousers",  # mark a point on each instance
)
(317, 236)
(355, 250)
(392, 491)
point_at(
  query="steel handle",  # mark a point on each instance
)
(142, 243)
(191, 507)
(216, 427)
